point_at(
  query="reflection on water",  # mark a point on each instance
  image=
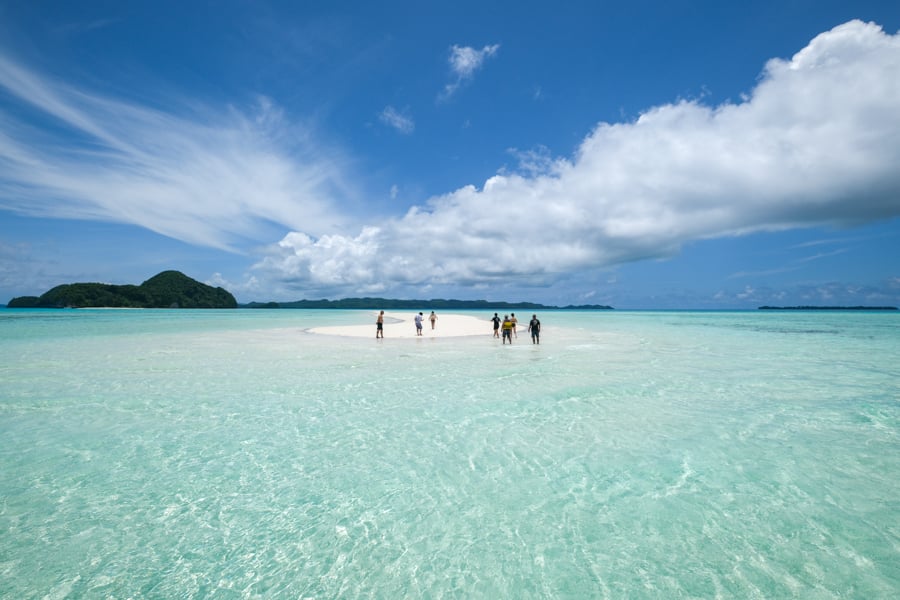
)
(177, 454)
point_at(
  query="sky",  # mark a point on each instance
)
(644, 154)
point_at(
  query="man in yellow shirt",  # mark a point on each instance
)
(507, 328)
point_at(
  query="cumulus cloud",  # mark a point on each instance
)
(816, 142)
(464, 61)
(205, 177)
(402, 122)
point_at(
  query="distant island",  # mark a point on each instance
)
(173, 289)
(827, 308)
(434, 304)
(169, 289)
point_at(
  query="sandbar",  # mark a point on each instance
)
(402, 325)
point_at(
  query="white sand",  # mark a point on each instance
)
(402, 325)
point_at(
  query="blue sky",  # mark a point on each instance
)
(672, 154)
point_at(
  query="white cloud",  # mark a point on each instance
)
(464, 61)
(402, 122)
(329, 263)
(208, 178)
(817, 142)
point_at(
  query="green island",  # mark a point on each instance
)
(169, 289)
(173, 289)
(827, 308)
(434, 304)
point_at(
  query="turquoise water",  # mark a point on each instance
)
(232, 454)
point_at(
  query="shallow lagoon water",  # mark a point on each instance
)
(161, 454)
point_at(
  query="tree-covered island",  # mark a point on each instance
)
(173, 289)
(169, 289)
(827, 308)
(433, 304)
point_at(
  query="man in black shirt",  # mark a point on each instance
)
(534, 326)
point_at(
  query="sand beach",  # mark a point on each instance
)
(402, 325)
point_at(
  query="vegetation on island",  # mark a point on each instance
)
(434, 304)
(169, 289)
(827, 308)
(172, 289)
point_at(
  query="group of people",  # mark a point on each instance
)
(432, 317)
(379, 323)
(509, 325)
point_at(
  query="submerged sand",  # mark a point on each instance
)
(402, 325)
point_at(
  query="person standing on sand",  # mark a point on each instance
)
(432, 317)
(515, 322)
(534, 326)
(496, 322)
(507, 329)
(419, 324)
(379, 326)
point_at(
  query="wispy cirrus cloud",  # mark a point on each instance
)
(78, 27)
(216, 178)
(401, 121)
(793, 265)
(464, 62)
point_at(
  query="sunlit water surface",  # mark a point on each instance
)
(233, 454)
